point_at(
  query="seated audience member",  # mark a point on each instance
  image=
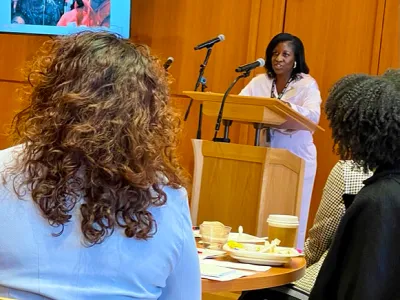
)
(345, 179)
(92, 203)
(363, 262)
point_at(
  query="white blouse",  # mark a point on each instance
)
(303, 94)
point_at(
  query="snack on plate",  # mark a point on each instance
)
(235, 245)
(269, 247)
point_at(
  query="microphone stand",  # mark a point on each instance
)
(203, 88)
(225, 139)
(200, 79)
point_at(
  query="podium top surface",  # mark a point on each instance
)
(294, 119)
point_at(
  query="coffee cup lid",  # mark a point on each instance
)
(283, 219)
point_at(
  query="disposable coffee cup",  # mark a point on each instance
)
(283, 228)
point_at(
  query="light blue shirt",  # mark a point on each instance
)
(36, 265)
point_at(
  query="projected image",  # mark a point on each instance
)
(73, 13)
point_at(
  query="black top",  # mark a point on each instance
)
(348, 200)
(364, 260)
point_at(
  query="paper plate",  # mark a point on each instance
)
(261, 258)
(262, 262)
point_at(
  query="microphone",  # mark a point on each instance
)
(201, 79)
(248, 67)
(210, 43)
(168, 63)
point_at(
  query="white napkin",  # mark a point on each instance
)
(234, 265)
(220, 273)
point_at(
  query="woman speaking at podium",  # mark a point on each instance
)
(287, 79)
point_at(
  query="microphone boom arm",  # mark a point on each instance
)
(221, 109)
(199, 79)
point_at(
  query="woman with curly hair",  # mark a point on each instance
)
(363, 261)
(93, 204)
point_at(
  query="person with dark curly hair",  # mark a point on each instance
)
(92, 197)
(287, 78)
(363, 262)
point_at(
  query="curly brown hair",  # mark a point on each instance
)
(98, 131)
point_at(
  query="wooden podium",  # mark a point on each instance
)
(242, 184)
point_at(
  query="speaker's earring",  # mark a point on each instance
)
(295, 65)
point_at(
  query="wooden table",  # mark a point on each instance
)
(276, 276)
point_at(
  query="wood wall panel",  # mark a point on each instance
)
(15, 49)
(9, 104)
(272, 16)
(340, 38)
(390, 51)
(175, 29)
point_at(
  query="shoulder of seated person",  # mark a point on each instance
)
(349, 166)
(8, 155)
(175, 196)
(383, 193)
